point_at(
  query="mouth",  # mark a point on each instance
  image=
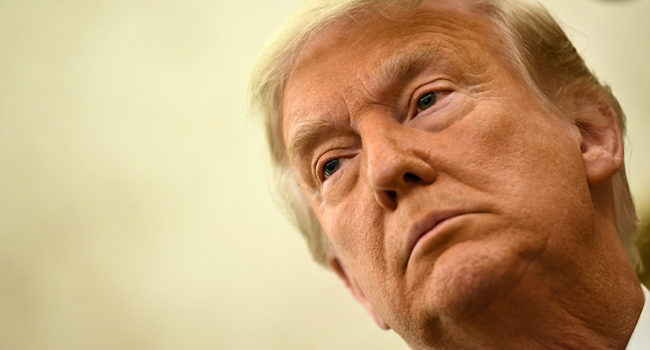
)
(427, 226)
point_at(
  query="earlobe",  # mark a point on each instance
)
(351, 283)
(601, 138)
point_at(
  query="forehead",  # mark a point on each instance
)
(359, 32)
(366, 48)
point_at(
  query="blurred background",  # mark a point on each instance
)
(134, 203)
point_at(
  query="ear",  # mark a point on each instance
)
(351, 283)
(601, 138)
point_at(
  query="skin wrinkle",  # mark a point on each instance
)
(312, 131)
(308, 135)
(495, 152)
(519, 281)
(365, 89)
(402, 64)
(523, 275)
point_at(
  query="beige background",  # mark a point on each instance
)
(134, 206)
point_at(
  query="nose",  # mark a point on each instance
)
(394, 160)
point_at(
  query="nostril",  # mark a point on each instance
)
(408, 177)
(392, 194)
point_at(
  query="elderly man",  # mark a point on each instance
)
(460, 169)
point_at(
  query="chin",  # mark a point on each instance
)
(470, 276)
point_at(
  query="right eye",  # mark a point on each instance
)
(331, 167)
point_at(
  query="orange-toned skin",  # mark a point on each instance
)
(529, 257)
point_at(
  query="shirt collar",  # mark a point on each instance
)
(640, 339)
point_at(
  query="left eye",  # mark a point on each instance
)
(427, 101)
(331, 167)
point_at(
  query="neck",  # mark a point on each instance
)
(582, 317)
(585, 315)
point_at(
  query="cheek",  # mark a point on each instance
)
(354, 227)
(504, 150)
(528, 163)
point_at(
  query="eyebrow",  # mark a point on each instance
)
(308, 132)
(397, 67)
(403, 64)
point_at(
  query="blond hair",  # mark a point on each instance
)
(534, 45)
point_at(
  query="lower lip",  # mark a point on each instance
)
(436, 234)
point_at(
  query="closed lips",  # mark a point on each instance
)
(427, 224)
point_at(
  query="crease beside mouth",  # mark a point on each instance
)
(410, 253)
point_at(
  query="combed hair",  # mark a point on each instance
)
(533, 44)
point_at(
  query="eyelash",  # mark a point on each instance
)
(439, 94)
(320, 168)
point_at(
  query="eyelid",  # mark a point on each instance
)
(346, 146)
(440, 89)
(345, 158)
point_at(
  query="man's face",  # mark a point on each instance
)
(440, 181)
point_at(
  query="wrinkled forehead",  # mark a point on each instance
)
(367, 45)
(360, 30)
